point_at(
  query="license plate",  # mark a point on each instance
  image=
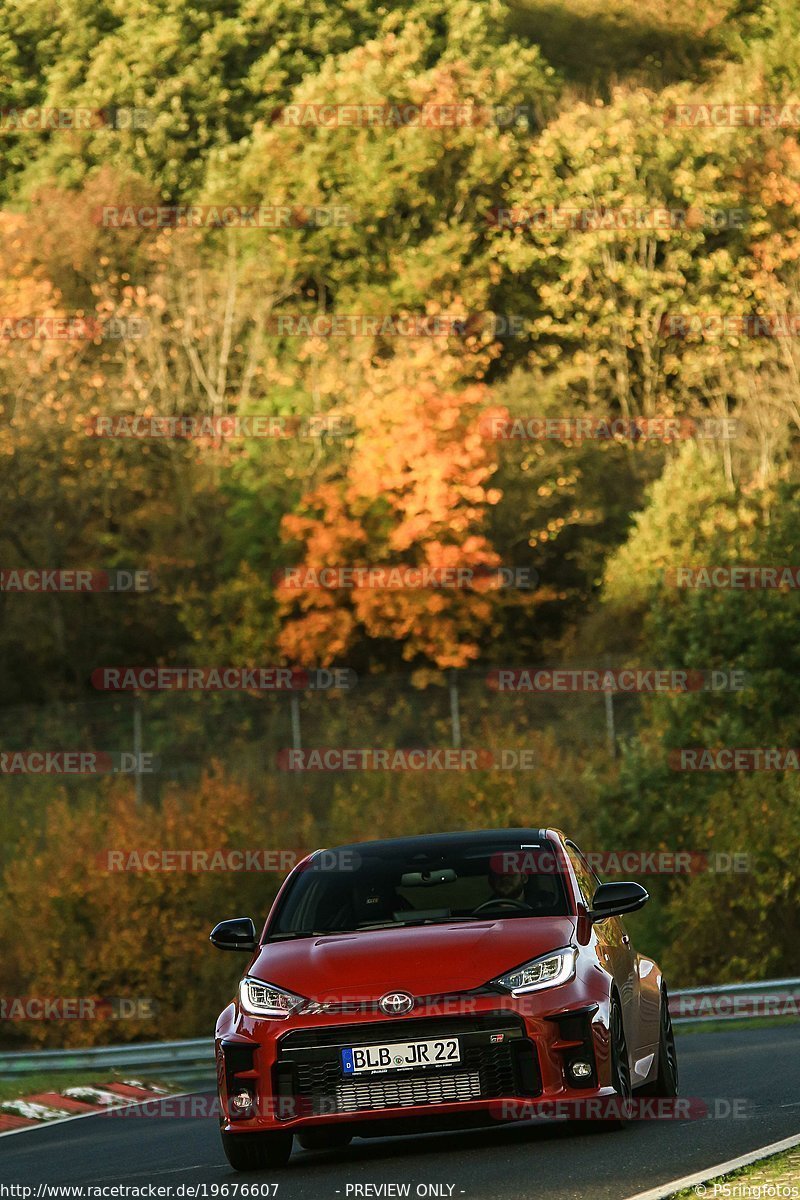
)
(400, 1056)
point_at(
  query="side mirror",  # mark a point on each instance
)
(238, 934)
(613, 899)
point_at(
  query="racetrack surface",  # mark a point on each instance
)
(758, 1066)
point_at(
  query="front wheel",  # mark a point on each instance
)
(622, 1101)
(257, 1151)
(665, 1083)
(620, 1067)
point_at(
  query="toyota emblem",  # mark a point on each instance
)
(394, 1004)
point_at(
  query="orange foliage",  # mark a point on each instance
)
(416, 492)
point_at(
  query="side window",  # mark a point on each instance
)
(593, 876)
(587, 880)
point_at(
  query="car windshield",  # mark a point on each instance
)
(371, 887)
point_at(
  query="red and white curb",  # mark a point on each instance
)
(54, 1108)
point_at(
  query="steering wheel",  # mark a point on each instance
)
(502, 902)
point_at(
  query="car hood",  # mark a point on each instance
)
(423, 961)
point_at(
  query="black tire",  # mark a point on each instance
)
(620, 1067)
(665, 1083)
(620, 1077)
(324, 1139)
(257, 1151)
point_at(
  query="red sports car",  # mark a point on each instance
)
(437, 982)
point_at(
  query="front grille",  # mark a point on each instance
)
(309, 1065)
(400, 1093)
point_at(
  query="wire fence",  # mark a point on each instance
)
(158, 737)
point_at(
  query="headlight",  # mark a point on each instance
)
(545, 972)
(266, 1000)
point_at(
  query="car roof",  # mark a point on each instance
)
(438, 843)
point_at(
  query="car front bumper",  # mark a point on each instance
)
(517, 1062)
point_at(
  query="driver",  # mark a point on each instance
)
(507, 885)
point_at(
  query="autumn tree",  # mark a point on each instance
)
(416, 491)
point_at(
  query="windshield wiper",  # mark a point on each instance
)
(305, 933)
(448, 920)
(385, 925)
(412, 924)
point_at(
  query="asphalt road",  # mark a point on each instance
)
(758, 1068)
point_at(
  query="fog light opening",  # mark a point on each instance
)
(580, 1069)
(241, 1104)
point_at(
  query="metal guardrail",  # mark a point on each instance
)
(161, 1058)
(736, 1001)
(729, 1001)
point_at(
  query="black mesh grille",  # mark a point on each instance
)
(435, 1088)
(497, 1060)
